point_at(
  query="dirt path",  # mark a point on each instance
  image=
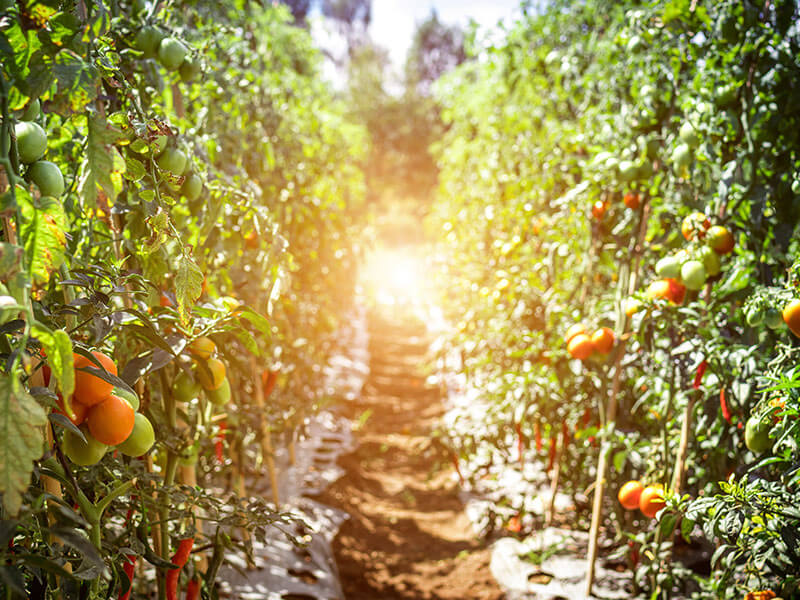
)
(407, 537)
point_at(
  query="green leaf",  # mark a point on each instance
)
(687, 525)
(21, 420)
(103, 163)
(42, 234)
(58, 347)
(188, 284)
(259, 321)
(77, 80)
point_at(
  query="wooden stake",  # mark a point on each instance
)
(611, 409)
(554, 482)
(266, 434)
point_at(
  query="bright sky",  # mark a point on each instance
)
(394, 22)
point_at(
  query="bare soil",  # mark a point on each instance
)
(407, 536)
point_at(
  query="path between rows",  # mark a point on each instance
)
(407, 536)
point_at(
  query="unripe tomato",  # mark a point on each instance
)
(773, 318)
(695, 225)
(172, 160)
(710, 260)
(720, 239)
(791, 316)
(693, 274)
(688, 134)
(141, 438)
(147, 41)
(203, 347)
(755, 316)
(573, 331)
(629, 494)
(682, 157)
(211, 374)
(189, 69)
(31, 141)
(221, 395)
(668, 267)
(628, 170)
(171, 53)
(129, 397)
(756, 435)
(188, 456)
(80, 452)
(192, 187)
(185, 389)
(631, 306)
(651, 500)
(47, 177)
(32, 111)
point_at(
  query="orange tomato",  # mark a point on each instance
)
(599, 209)
(212, 377)
(573, 331)
(111, 421)
(629, 494)
(164, 300)
(603, 340)
(632, 200)
(791, 315)
(78, 409)
(760, 595)
(695, 226)
(652, 500)
(666, 289)
(721, 240)
(631, 306)
(580, 346)
(89, 388)
(202, 347)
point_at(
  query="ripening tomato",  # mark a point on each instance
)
(632, 200)
(721, 240)
(791, 316)
(573, 331)
(652, 500)
(629, 494)
(580, 346)
(695, 225)
(603, 340)
(599, 209)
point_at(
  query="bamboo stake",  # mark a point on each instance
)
(554, 482)
(611, 410)
(266, 434)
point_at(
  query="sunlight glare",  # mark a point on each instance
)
(395, 276)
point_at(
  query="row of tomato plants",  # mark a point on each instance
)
(620, 199)
(180, 207)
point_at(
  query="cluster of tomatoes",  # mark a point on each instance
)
(106, 415)
(31, 148)
(581, 343)
(648, 499)
(691, 267)
(209, 375)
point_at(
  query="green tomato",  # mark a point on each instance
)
(185, 388)
(192, 187)
(147, 41)
(31, 141)
(47, 177)
(80, 452)
(669, 267)
(141, 438)
(32, 111)
(129, 397)
(171, 53)
(688, 135)
(221, 395)
(711, 261)
(756, 435)
(773, 318)
(188, 456)
(628, 170)
(682, 156)
(9, 308)
(189, 69)
(693, 274)
(755, 316)
(725, 95)
(172, 160)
